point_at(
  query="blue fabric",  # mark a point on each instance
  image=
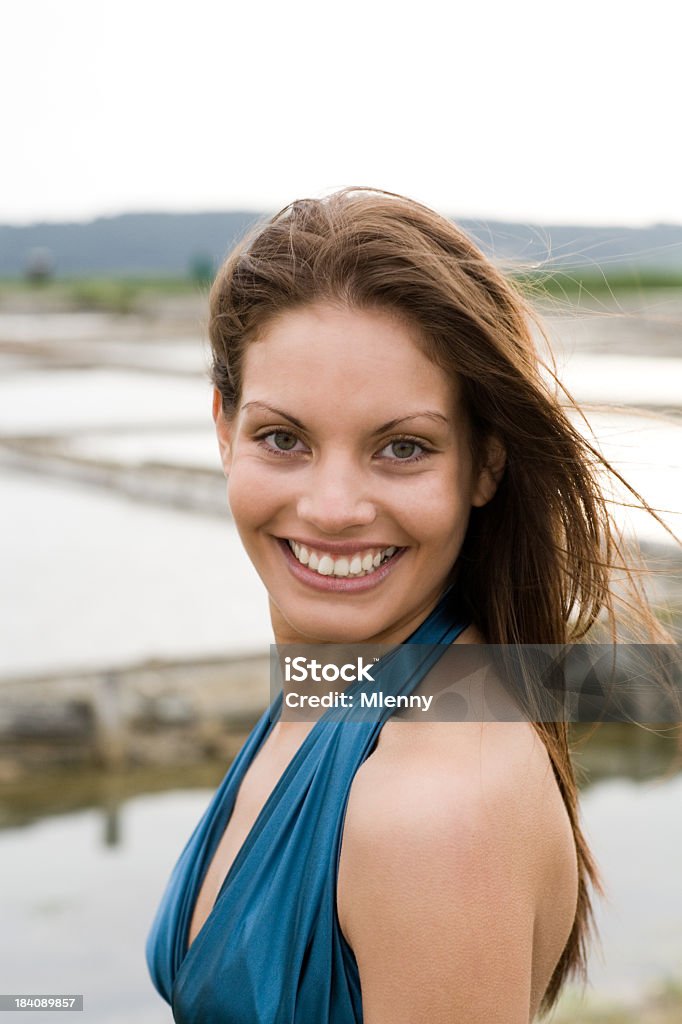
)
(271, 951)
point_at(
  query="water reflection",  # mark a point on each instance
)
(610, 751)
(613, 750)
(70, 790)
(112, 823)
(110, 842)
(619, 750)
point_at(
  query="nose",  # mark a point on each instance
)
(335, 497)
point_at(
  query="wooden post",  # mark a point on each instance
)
(110, 722)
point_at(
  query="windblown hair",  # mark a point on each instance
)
(548, 525)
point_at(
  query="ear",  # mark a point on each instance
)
(491, 472)
(223, 429)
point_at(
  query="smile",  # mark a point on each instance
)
(360, 563)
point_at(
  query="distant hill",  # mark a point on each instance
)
(132, 243)
(169, 243)
(560, 246)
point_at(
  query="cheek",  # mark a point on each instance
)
(249, 495)
(437, 505)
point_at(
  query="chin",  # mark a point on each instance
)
(329, 628)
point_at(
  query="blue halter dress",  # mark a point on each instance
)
(271, 950)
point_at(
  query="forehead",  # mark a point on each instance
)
(350, 358)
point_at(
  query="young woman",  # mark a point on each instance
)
(399, 471)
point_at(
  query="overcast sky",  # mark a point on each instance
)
(523, 111)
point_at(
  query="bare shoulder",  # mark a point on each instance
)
(449, 852)
(497, 773)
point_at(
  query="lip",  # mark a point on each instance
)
(338, 584)
(340, 547)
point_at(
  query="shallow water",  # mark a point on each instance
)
(85, 885)
(622, 380)
(92, 579)
(44, 402)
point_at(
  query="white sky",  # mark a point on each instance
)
(521, 110)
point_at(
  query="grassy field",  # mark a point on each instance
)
(129, 294)
(577, 284)
(120, 295)
(661, 1006)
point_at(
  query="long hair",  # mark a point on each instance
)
(537, 561)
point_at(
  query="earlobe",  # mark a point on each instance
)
(223, 431)
(490, 474)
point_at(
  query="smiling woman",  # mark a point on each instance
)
(399, 472)
(329, 468)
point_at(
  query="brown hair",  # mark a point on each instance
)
(548, 524)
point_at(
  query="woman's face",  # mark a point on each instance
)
(351, 445)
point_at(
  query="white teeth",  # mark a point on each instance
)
(326, 566)
(361, 564)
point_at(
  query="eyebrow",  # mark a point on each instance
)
(427, 414)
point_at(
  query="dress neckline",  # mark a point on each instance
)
(437, 617)
(223, 818)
